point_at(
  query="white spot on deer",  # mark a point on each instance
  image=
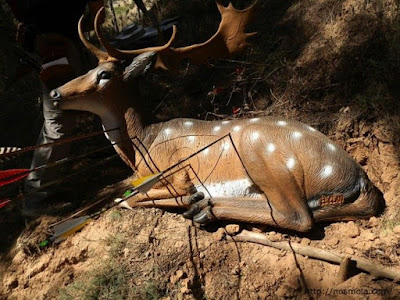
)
(253, 120)
(217, 128)
(271, 148)
(188, 123)
(254, 136)
(225, 122)
(191, 138)
(326, 171)
(290, 163)
(225, 145)
(314, 203)
(296, 135)
(236, 128)
(281, 123)
(331, 147)
(167, 131)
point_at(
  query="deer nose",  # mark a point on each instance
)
(56, 96)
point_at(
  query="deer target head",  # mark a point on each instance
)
(96, 90)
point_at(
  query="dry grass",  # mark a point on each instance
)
(112, 279)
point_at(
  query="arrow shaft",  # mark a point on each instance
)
(60, 142)
(16, 177)
(59, 180)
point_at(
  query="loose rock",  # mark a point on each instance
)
(396, 229)
(232, 229)
(352, 230)
(176, 277)
(219, 235)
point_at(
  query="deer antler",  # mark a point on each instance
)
(101, 55)
(229, 39)
(112, 52)
(121, 54)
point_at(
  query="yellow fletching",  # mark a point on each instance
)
(141, 180)
(145, 183)
(72, 231)
(70, 228)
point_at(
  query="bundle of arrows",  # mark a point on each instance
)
(11, 176)
(66, 227)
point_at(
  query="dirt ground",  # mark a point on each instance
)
(331, 64)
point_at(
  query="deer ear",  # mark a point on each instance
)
(140, 65)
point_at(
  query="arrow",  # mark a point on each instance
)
(59, 180)
(65, 229)
(14, 175)
(18, 151)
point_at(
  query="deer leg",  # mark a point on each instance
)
(179, 187)
(238, 214)
(154, 194)
(248, 210)
(198, 206)
(161, 203)
(181, 201)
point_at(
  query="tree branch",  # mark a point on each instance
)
(375, 269)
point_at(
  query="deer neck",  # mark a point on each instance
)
(133, 135)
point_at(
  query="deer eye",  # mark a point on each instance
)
(103, 75)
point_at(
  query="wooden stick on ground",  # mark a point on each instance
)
(375, 269)
(344, 269)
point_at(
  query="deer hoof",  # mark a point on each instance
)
(204, 217)
(195, 198)
(192, 211)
